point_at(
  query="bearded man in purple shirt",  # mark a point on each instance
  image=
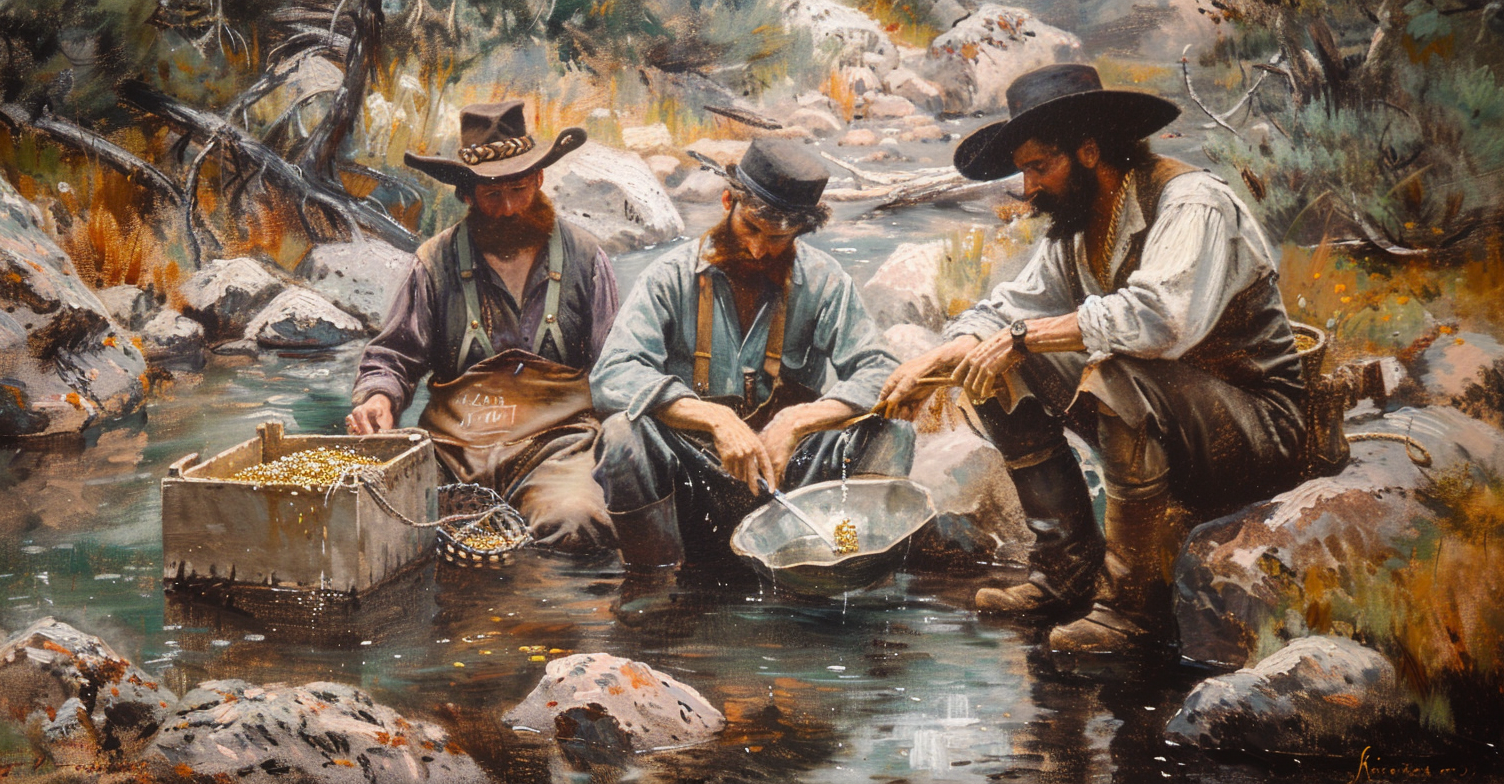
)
(507, 310)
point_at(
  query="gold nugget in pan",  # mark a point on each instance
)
(846, 543)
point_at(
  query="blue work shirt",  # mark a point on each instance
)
(647, 361)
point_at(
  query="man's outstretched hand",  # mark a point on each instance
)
(902, 394)
(371, 417)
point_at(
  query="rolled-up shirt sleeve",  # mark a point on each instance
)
(856, 348)
(1196, 258)
(1041, 289)
(604, 304)
(630, 374)
(397, 358)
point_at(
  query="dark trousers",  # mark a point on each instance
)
(641, 462)
(1227, 445)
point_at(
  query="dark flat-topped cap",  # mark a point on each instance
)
(494, 143)
(781, 174)
(1051, 97)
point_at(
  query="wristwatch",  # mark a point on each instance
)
(1019, 331)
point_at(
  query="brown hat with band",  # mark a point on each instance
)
(494, 144)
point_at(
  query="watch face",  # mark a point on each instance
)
(1019, 329)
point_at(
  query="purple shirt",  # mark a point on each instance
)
(407, 347)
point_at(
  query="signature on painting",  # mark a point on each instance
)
(1369, 770)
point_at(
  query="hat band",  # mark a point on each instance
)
(766, 195)
(496, 151)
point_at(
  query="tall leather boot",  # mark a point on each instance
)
(1132, 612)
(1068, 548)
(648, 538)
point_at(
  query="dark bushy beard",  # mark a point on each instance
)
(726, 252)
(1071, 212)
(508, 234)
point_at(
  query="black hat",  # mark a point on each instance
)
(781, 174)
(1051, 96)
(494, 143)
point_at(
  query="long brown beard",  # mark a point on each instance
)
(508, 234)
(726, 252)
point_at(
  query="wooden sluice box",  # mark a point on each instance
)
(219, 533)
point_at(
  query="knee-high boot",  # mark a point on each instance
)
(1133, 609)
(649, 537)
(1068, 547)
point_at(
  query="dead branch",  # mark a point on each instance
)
(354, 212)
(318, 154)
(70, 135)
(745, 117)
(1185, 70)
(190, 201)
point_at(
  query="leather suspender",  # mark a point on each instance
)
(550, 323)
(475, 332)
(772, 362)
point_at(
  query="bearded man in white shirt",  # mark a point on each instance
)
(1149, 322)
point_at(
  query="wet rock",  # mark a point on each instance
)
(655, 710)
(1466, 371)
(973, 64)
(889, 107)
(360, 278)
(820, 122)
(908, 341)
(723, 151)
(327, 732)
(613, 195)
(65, 365)
(860, 80)
(589, 736)
(1236, 573)
(924, 133)
(700, 187)
(967, 478)
(903, 291)
(227, 293)
(1317, 695)
(170, 335)
(299, 318)
(858, 137)
(129, 306)
(647, 138)
(855, 37)
(919, 91)
(75, 697)
(663, 166)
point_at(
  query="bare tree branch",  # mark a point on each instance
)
(318, 155)
(70, 135)
(326, 195)
(1185, 70)
(190, 202)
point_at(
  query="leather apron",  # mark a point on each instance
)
(489, 423)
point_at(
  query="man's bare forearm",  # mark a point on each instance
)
(1054, 333)
(688, 413)
(817, 416)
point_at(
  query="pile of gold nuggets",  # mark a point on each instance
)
(309, 468)
(846, 543)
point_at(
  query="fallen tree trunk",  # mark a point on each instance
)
(88, 142)
(356, 214)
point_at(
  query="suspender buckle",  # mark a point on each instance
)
(555, 276)
(466, 274)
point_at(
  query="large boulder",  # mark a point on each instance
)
(967, 479)
(326, 732)
(700, 187)
(647, 138)
(908, 341)
(903, 290)
(1239, 577)
(129, 306)
(359, 277)
(65, 365)
(170, 335)
(888, 107)
(852, 36)
(920, 92)
(973, 63)
(820, 122)
(1318, 695)
(651, 710)
(77, 700)
(299, 318)
(614, 195)
(1465, 370)
(227, 293)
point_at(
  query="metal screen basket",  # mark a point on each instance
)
(477, 528)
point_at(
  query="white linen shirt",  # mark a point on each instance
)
(1204, 248)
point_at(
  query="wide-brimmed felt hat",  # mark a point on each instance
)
(1046, 99)
(494, 143)
(781, 174)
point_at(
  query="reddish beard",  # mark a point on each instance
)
(728, 253)
(508, 234)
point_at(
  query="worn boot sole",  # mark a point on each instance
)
(1024, 599)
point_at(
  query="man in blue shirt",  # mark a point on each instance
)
(717, 370)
